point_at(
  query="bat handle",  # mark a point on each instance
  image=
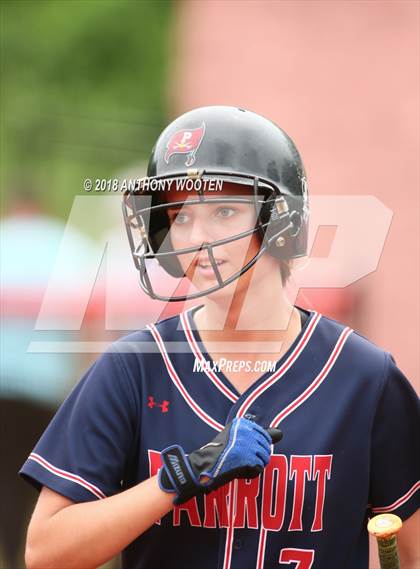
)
(385, 528)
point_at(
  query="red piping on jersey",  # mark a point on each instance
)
(317, 381)
(292, 407)
(398, 502)
(198, 354)
(67, 475)
(282, 369)
(178, 383)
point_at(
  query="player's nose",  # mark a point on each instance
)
(200, 230)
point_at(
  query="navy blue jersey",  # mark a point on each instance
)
(349, 418)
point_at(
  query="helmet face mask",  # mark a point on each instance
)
(278, 201)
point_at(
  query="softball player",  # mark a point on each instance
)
(176, 460)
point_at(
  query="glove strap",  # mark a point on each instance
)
(176, 474)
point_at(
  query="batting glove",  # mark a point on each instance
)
(241, 450)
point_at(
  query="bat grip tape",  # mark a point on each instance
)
(388, 553)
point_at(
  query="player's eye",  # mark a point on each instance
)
(181, 218)
(226, 211)
(178, 217)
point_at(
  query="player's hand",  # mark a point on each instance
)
(241, 450)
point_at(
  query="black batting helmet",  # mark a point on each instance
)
(219, 143)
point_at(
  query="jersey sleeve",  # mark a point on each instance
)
(84, 451)
(395, 450)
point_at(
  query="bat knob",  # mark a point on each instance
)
(275, 434)
(384, 525)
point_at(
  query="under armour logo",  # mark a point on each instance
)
(164, 406)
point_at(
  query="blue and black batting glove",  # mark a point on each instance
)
(241, 450)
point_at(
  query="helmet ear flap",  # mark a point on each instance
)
(297, 221)
(282, 226)
(268, 212)
(275, 213)
(265, 213)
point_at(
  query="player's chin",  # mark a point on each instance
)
(225, 293)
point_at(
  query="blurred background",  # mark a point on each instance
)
(86, 88)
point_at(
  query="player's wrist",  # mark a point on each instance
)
(177, 475)
(164, 482)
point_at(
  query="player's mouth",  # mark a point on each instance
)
(205, 265)
(205, 268)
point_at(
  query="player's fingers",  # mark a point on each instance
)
(264, 450)
(264, 445)
(275, 434)
(262, 432)
(263, 455)
(255, 470)
(272, 435)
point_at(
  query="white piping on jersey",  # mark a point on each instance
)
(283, 368)
(398, 503)
(261, 549)
(67, 475)
(198, 354)
(178, 383)
(292, 407)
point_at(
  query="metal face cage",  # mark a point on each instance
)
(277, 220)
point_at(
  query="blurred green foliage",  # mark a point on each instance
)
(83, 84)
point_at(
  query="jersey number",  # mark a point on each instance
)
(302, 557)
